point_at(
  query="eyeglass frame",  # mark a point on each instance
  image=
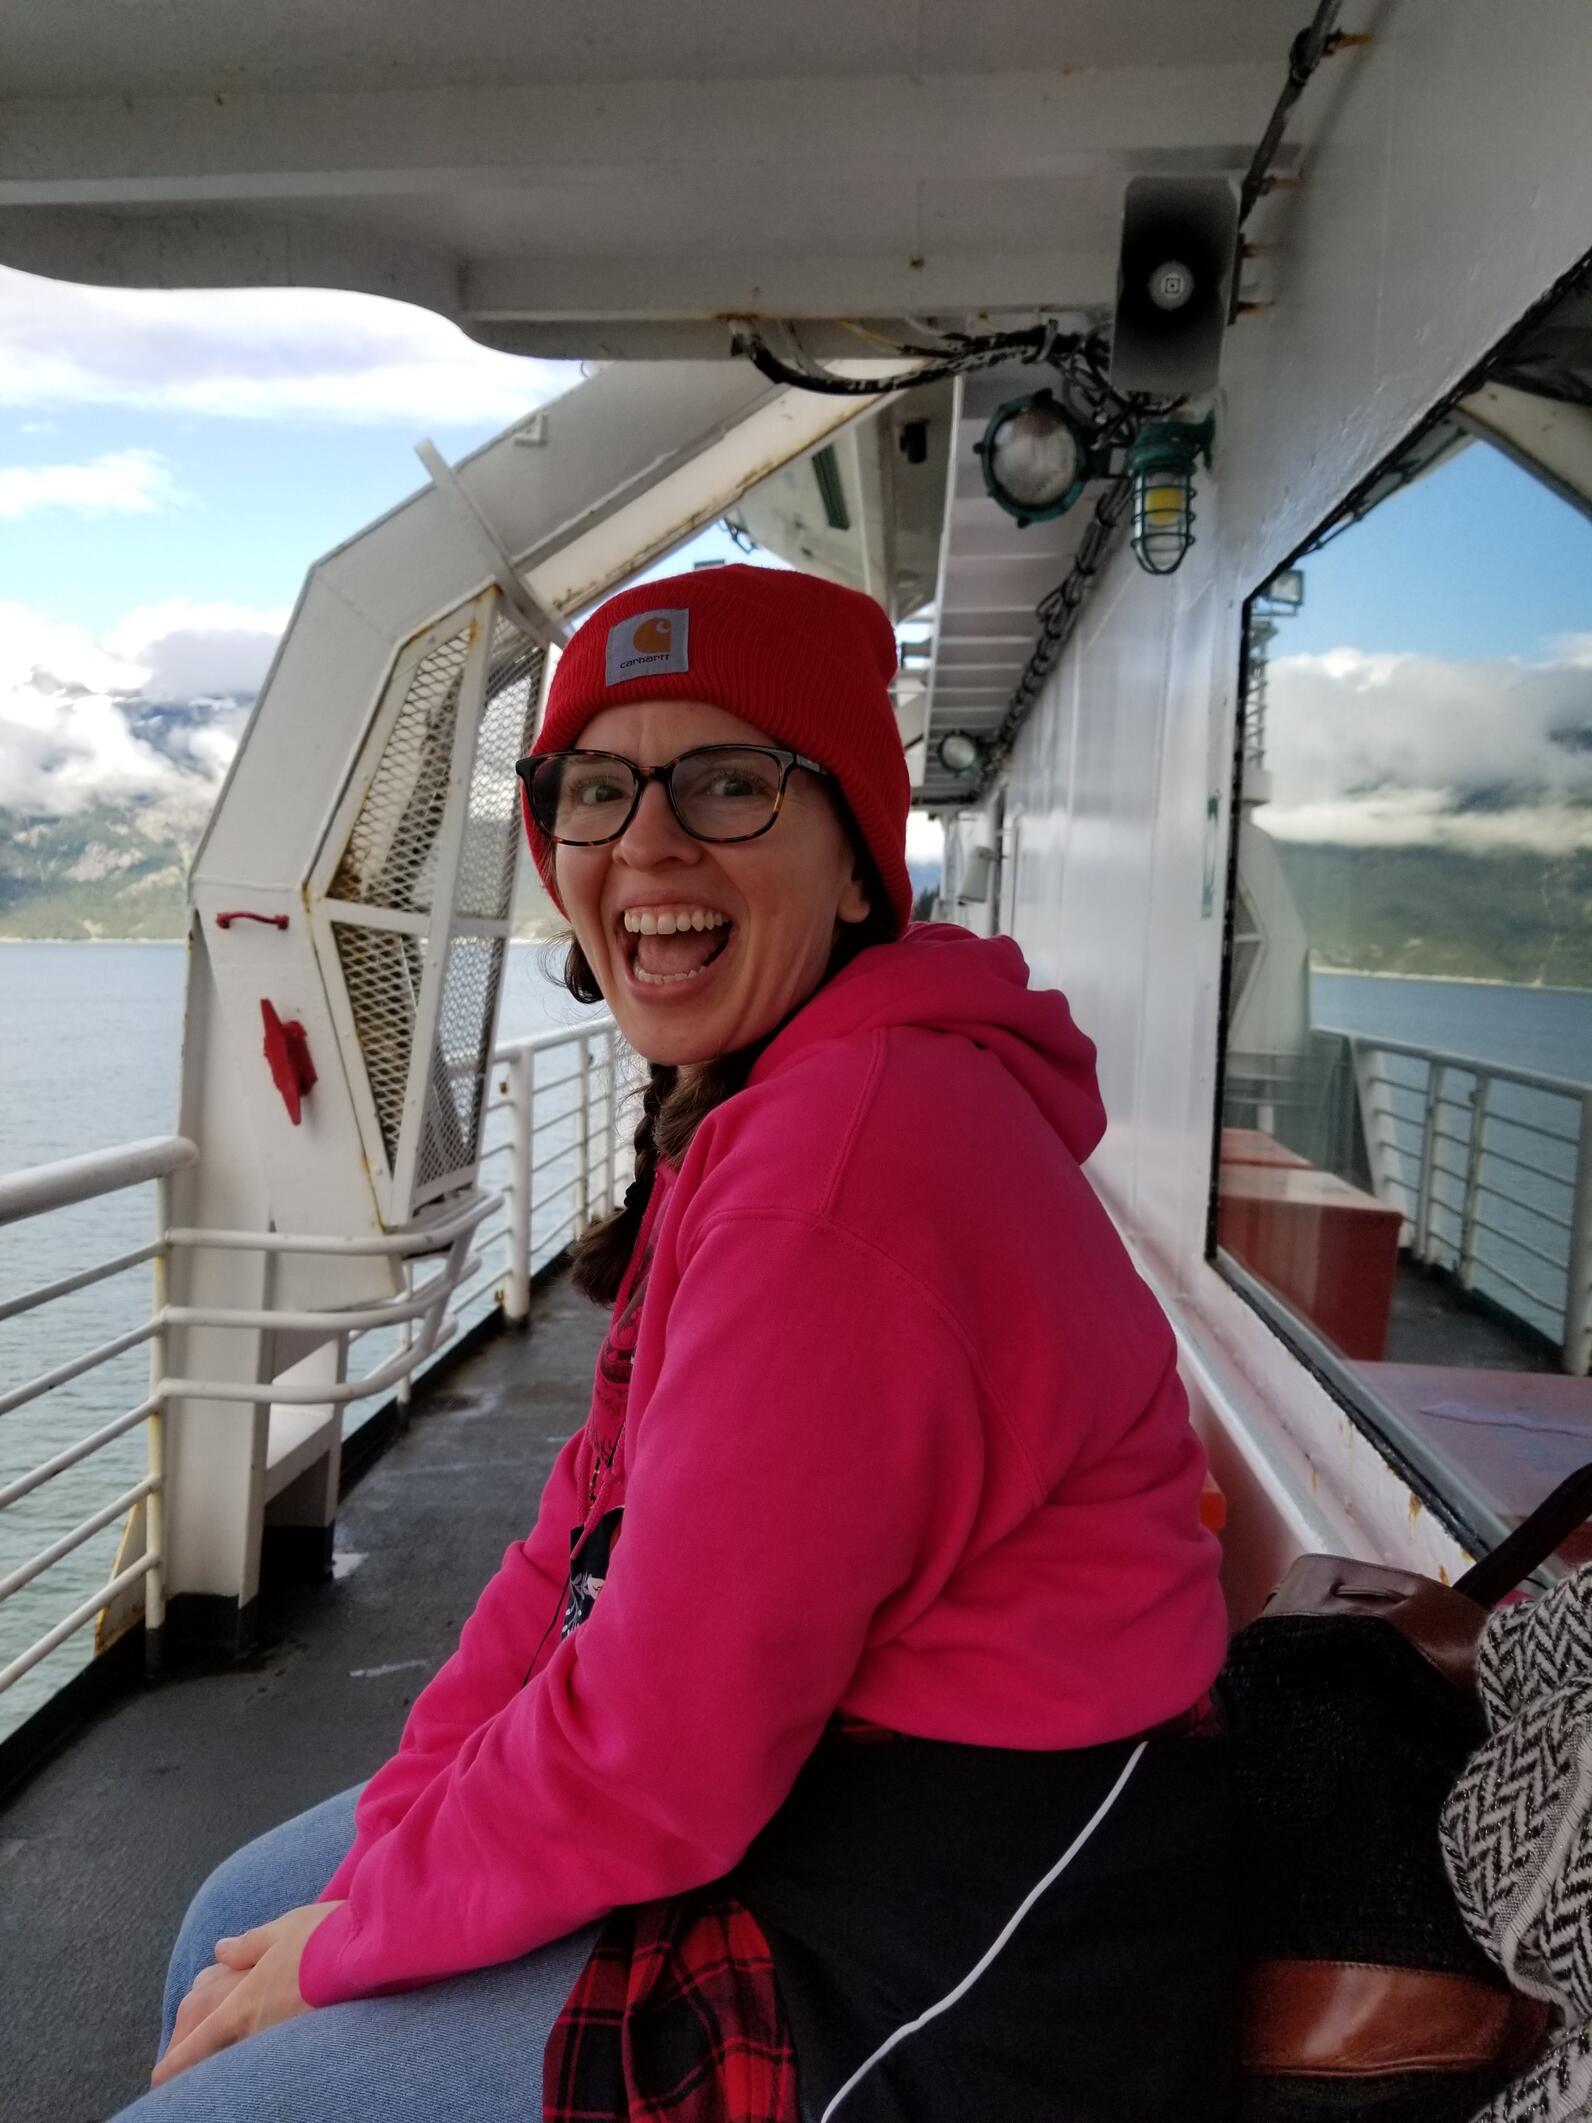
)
(526, 770)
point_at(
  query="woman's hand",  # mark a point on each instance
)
(210, 1987)
(251, 1986)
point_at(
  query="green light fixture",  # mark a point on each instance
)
(1162, 460)
(1036, 459)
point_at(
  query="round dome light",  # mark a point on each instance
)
(959, 752)
(1036, 463)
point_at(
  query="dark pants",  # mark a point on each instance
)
(894, 1866)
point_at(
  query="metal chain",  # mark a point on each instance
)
(1058, 619)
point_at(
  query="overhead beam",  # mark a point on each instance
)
(226, 247)
(254, 146)
(697, 283)
(231, 246)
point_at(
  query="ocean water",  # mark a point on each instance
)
(1526, 1172)
(89, 1050)
(1548, 1030)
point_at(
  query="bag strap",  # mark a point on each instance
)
(1532, 1541)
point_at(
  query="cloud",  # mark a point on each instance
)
(1415, 751)
(925, 838)
(148, 716)
(196, 651)
(119, 483)
(256, 354)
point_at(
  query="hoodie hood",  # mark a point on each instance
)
(944, 979)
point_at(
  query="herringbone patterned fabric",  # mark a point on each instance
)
(1557, 2090)
(1534, 1646)
(1517, 1835)
(1516, 1843)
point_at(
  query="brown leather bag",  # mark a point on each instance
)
(1352, 1706)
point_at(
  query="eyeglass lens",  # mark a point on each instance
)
(722, 793)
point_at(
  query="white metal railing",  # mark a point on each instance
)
(553, 1111)
(1492, 1168)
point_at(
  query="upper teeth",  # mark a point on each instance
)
(666, 921)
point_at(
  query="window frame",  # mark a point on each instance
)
(1475, 1523)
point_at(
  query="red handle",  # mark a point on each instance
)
(273, 921)
(288, 1052)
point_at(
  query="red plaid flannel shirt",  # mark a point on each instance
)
(676, 2018)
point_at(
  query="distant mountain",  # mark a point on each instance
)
(105, 872)
(98, 872)
(1524, 918)
(108, 872)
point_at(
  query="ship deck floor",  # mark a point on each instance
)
(1433, 1322)
(102, 1849)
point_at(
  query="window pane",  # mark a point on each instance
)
(1404, 1179)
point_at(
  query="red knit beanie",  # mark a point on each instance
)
(808, 661)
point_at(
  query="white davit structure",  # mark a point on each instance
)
(350, 913)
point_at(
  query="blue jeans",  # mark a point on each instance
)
(470, 2047)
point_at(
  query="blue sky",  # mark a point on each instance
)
(254, 503)
(1477, 560)
(171, 464)
(245, 507)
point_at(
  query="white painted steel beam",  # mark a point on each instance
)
(259, 146)
(577, 498)
(226, 247)
(519, 207)
(871, 282)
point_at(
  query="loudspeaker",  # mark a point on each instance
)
(1174, 284)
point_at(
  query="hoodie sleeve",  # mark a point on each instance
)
(497, 1647)
(803, 1481)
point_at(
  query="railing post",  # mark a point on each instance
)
(1577, 1351)
(401, 1390)
(1475, 1150)
(583, 1140)
(1384, 1178)
(1423, 1193)
(155, 1440)
(517, 1289)
(611, 1063)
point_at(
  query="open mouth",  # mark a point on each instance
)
(668, 946)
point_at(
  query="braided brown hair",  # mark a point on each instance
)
(676, 1102)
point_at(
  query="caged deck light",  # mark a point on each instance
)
(1161, 462)
(960, 753)
(1036, 459)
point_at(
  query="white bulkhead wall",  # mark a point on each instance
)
(1449, 190)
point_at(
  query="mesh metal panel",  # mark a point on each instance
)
(382, 971)
(390, 860)
(492, 815)
(451, 1125)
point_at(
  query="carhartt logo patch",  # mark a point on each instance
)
(646, 645)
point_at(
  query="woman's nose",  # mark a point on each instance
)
(654, 835)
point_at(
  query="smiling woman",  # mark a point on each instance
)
(726, 930)
(853, 1677)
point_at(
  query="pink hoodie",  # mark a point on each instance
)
(903, 1437)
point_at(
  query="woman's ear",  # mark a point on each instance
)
(855, 905)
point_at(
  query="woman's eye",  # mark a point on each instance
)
(596, 789)
(732, 782)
